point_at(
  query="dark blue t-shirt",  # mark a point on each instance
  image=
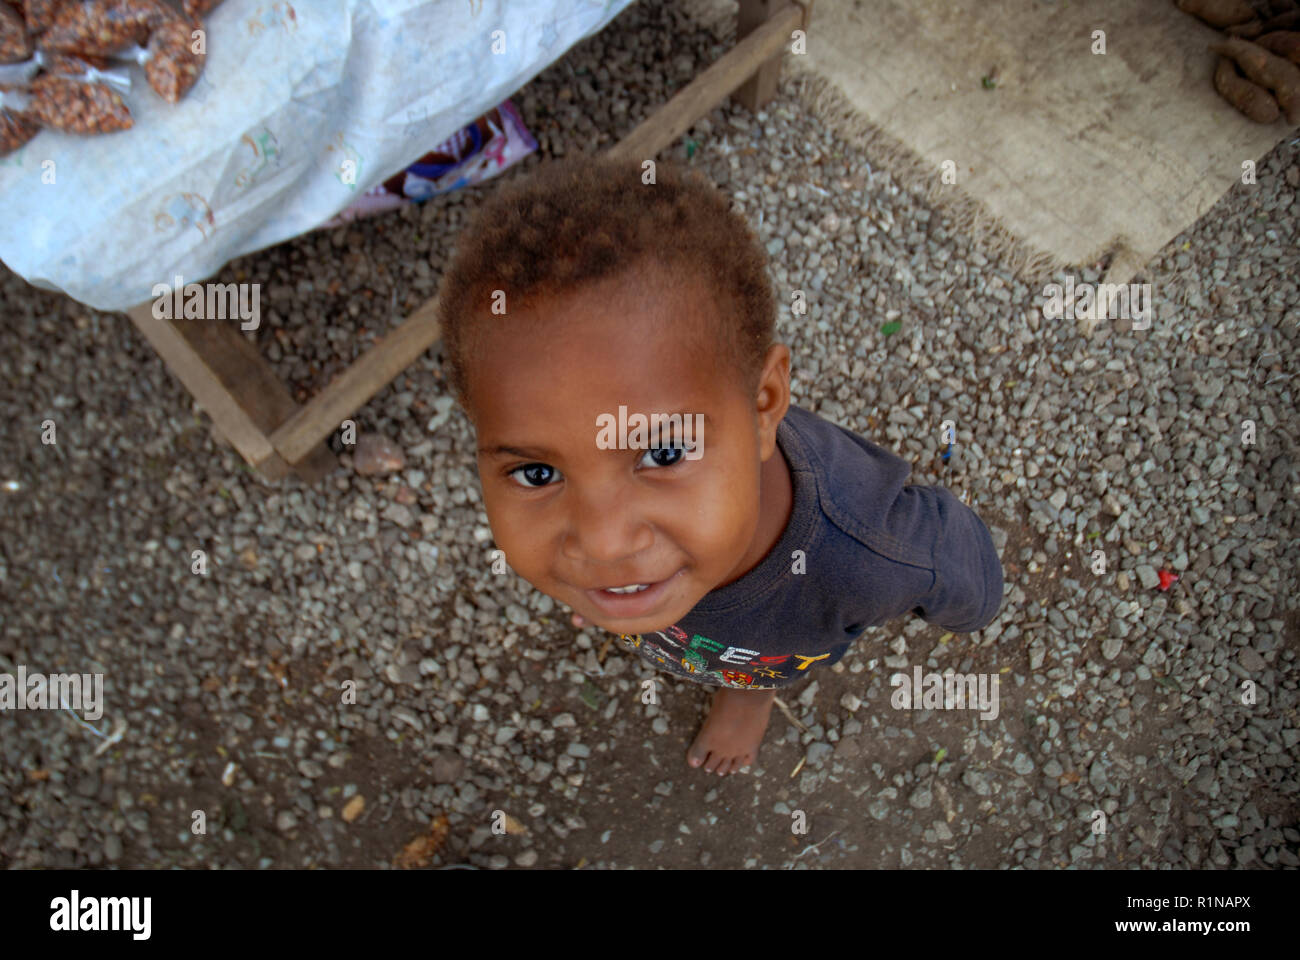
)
(861, 548)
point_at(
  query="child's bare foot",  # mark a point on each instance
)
(733, 731)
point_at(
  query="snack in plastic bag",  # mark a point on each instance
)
(87, 69)
(76, 106)
(199, 8)
(99, 27)
(16, 128)
(15, 44)
(41, 14)
(68, 64)
(171, 65)
(20, 74)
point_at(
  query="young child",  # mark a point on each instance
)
(747, 555)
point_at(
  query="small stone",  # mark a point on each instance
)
(376, 455)
(527, 859)
(1148, 576)
(1022, 764)
(818, 752)
(1097, 776)
(442, 408)
(353, 808)
(402, 674)
(504, 735)
(921, 798)
(809, 693)
(1251, 661)
(1111, 647)
(447, 767)
(1037, 652)
(285, 821)
(398, 514)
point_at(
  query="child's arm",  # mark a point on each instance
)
(967, 588)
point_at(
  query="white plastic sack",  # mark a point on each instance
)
(295, 100)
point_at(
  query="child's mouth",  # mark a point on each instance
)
(630, 600)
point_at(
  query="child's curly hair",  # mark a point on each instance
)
(590, 217)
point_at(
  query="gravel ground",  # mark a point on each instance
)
(474, 695)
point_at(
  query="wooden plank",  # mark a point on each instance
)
(707, 90)
(755, 92)
(235, 386)
(204, 384)
(352, 389)
(253, 383)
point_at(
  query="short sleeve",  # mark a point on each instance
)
(967, 589)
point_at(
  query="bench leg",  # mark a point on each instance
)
(755, 92)
(235, 386)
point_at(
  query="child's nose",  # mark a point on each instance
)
(606, 530)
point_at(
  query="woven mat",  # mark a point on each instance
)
(1071, 157)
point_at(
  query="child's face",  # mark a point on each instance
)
(582, 518)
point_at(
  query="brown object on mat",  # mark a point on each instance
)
(15, 44)
(15, 130)
(173, 66)
(1285, 43)
(1268, 70)
(199, 8)
(1248, 30)
(101, 27)
(1251, 99)
(1285, 21)
(78, 107)
(1218, 13)
(41, 14)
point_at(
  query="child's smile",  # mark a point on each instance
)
(574, 518)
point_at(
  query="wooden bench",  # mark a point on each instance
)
(254, 410)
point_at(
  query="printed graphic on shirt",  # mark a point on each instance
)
(707, 661)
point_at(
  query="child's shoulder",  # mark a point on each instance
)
(863, 489)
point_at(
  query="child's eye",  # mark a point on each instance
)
(674, 454)
(539, 472)
(538, 475)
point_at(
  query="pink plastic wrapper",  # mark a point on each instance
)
(478, 152)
